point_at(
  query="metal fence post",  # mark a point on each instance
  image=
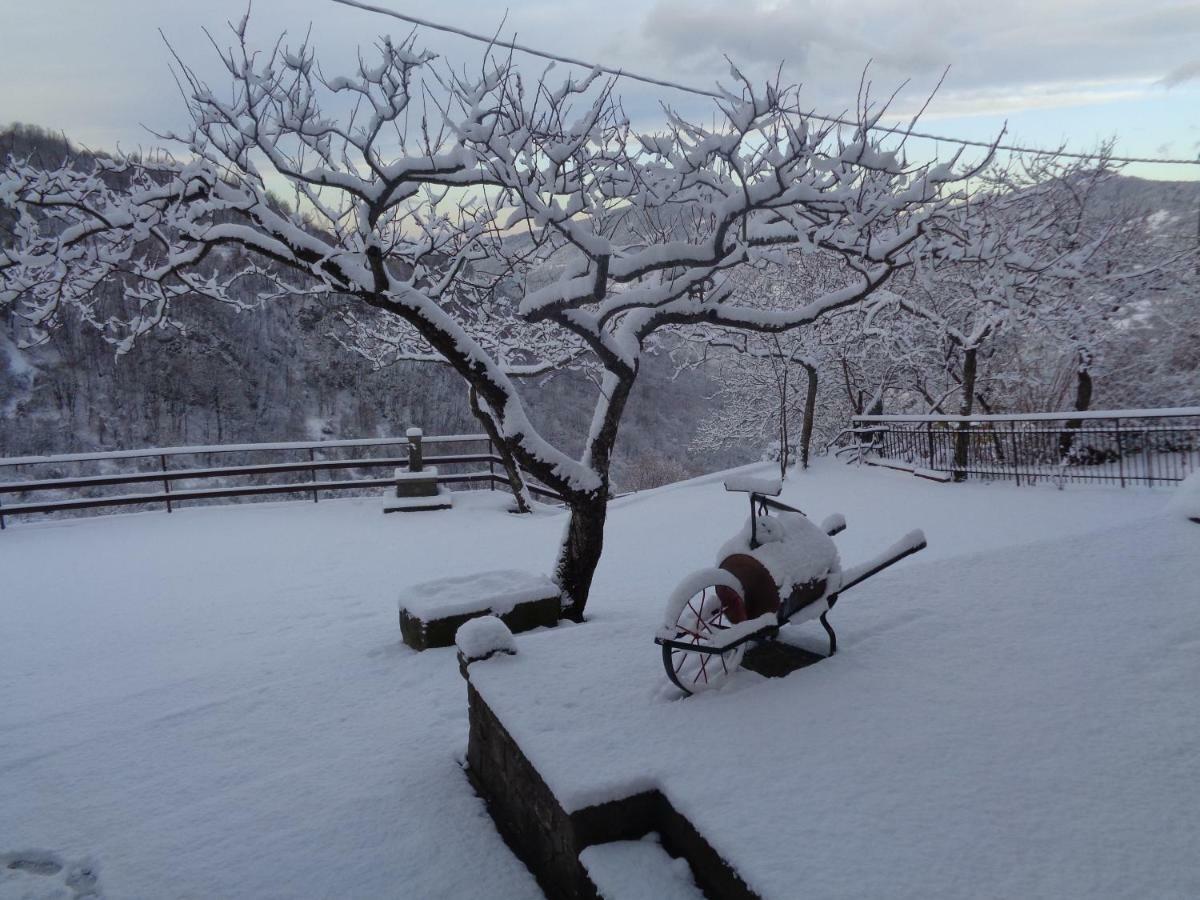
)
(1120, 452)
(1012, 440)
(415, 462)
(1148, 456)
(312, 471)
(491, 463)
(166, 481)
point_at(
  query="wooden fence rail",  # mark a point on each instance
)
(38, 485)
(1136, 446)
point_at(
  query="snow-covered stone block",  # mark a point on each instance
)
(483, 637)
(433, 611)
(418, 491)
(429, 473)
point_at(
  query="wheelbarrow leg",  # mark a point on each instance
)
(832, 634)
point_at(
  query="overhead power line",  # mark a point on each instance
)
(701, 92)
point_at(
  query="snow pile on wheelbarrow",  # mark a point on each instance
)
(793, 550)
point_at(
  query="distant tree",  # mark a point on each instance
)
(759, 397)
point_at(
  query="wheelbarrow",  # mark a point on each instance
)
(780, 568)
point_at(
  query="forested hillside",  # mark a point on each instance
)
(279, 374)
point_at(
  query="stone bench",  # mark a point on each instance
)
(431, 612)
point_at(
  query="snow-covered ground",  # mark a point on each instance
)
(216, 703)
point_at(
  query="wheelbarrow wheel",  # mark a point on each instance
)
(712, 606)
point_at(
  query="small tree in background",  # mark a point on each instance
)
(760, 396)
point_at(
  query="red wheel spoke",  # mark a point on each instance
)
(697, 624)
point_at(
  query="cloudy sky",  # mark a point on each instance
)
(1056, 71)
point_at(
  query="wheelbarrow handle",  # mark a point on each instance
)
(911, 543)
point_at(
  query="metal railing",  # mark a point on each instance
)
(92, 481)
(1140, 447)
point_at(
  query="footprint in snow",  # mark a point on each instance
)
(45, 875)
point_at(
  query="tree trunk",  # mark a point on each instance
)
(856, 405)
(1083, 387)
(583, 542)
(780, 368)
(784, 442)
(1083, 400)
(516, 481)
(962, 438)
(810, 409)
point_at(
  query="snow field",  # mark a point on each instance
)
(217, 702)
(1014, 722)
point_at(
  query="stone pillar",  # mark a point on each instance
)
(417, 487)
(415, 459)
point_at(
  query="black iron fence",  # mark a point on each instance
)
(170, 477)
(1143, 447)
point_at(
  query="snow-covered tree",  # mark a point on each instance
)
(1132, 263)
(1121, 265)
(1012, 280)
(765, 383)
(768, 384)
(419, 192)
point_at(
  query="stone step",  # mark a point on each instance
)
(634, 870)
